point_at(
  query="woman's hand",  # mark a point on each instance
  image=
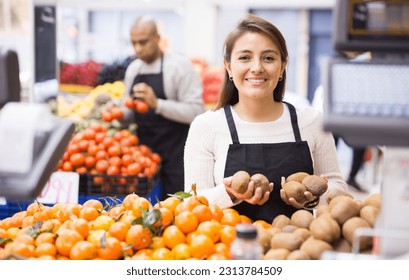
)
(308, 197)
(250, 196)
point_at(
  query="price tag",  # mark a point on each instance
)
(62, 187)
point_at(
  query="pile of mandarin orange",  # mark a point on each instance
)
(185, 229)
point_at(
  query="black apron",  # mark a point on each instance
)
(163, 136)
(274, 161)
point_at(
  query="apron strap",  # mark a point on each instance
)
(294, 122)
(232, 126)
(233, 130)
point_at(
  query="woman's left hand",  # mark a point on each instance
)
(308, 197)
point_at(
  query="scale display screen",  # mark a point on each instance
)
(371, 25)
(379, 18)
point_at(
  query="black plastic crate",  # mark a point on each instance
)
(116, 185)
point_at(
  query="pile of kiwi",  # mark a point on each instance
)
(306, 235)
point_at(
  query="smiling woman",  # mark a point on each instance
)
(251, 129)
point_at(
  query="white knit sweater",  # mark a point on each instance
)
(209, 138)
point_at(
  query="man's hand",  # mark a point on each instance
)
(144, 92)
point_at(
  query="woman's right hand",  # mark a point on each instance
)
(250, 196)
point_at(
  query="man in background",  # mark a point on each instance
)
(172, 88)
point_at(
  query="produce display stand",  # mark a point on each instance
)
(107, 188)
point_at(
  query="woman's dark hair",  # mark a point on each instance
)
(251, 23)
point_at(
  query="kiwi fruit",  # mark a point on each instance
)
(240, 181)
(260, 181)
(276, 254)
(298, 177)
(315, 247)
(281, 221)
(369, 213)
(296, 190)
(315, 184)
(343, 208)
(286, 240)
(302, 218)
(349, 228)
(325, 228)
(298, 255)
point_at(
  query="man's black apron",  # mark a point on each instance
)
(273, 160)
(163, 136)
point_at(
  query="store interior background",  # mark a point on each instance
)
(99, 31)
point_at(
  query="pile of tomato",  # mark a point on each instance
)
(94, 150)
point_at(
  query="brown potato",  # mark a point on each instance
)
(317, 185)
(240, 181)
(296, 190)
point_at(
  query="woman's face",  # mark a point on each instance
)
(255, 65)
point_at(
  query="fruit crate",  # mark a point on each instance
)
(116, 185)
(100, 186)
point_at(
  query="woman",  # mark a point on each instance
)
(252, 129)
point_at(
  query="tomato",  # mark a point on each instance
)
(141, 106)
(67, 166)
(115, 161)
(113, 170)
(133, 139)
(90, 162)
(129, 103)
(118, 135)
(117, 113)
(106, 116)
(134, 168)
(99, 136)
(83, 145)
(101, 166)
(97, 127)
(155, 157)
(77, 159)
(114, 151)
(92, 150)
(81, 170)
(108, 141)
(73, 148)
(89, 133)
(127, 160)
(101, 154)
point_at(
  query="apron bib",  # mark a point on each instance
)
(163, 136)
(273, 160)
